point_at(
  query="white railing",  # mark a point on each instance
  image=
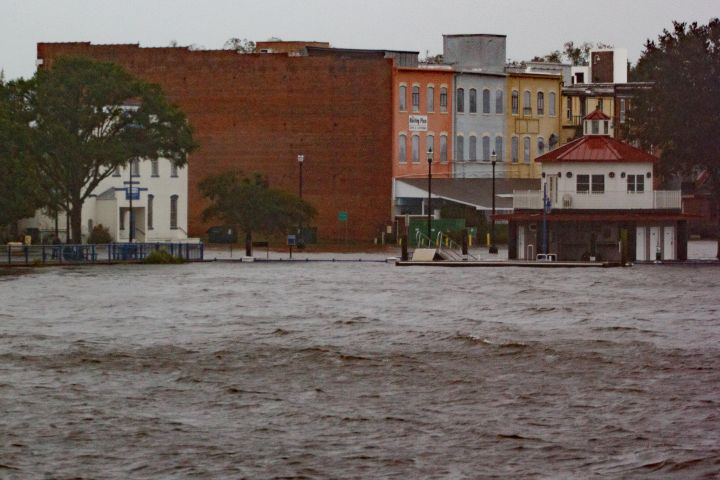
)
(608, 200)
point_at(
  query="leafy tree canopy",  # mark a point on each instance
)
(252, 205)
(89, 118)
(240, 45)
(571, 53)
(18, 185)
(681, 113)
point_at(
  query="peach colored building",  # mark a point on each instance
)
(422, 118)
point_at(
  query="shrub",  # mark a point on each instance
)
(162, 257)
(99, 234)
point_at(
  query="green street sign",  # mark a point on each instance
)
(342, 216)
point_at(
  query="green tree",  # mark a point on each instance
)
(18, 185)
(240, 45)
(575, 54)
(252, 206)
(680, 114)
(89, 118)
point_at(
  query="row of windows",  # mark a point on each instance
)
(415, 148)
(527, 103)
(154, 169)
(429, 99)
(498, 148)
(596, 183)
(486, 103)
(150, 213)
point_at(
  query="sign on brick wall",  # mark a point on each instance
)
(418, 123)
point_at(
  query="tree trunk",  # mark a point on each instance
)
(76, 221)
(248, 244)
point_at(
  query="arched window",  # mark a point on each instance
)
(460, 148)
(486, 148)
(415, 148)
(173, 212)
(526, 149)
(514, 102)
(541, 103)
(499, 148)
(430, 143)
(514, 149)
(443, 149)
(460, 100)
(155, 167)
(473, 147)
(402, 150)
(443, 99)
(499, 106)
(527, 103)
(403, 98)
(551, 104)
(540, 146)
(473, 100)
(430, 99)
(150, 202)
(416, 98)
(486, 100)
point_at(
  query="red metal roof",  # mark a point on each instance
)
(596, 115)
(596, 148)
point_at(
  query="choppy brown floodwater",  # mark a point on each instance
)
(336, 370)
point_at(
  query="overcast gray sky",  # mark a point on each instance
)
(533, 27)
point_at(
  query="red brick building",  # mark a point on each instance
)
(258, 112)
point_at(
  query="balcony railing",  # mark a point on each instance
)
(608, 200)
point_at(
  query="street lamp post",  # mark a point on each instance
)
(301, 160)
(493, 248)
(429, 205)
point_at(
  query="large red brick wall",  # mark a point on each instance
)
(257, 112)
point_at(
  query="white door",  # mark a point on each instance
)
(521, 242)
(640, 254)
(669, 242)
(654, 242)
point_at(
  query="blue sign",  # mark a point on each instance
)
(132, 193)
(291, 240)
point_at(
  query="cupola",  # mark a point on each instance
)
(597, 123)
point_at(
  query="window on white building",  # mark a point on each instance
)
(635, 183)
(473, 100)
(583, 184)
(173, 212)
(598, 184)
(473, 147)
(486, 148)
(460, 148)
(499, 107)
(173, 170)
(460, 100)
(135, 168)
(499, 148)
(486, 101)
(155, 167)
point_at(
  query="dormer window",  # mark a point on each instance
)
(595, 127)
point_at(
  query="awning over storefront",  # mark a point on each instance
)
(634, 216)
(475, 192)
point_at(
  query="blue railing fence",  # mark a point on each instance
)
(91, 253)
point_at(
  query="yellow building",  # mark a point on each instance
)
(533, 119)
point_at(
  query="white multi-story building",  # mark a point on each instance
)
(159, 193)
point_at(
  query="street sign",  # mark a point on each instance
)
(132, 193)
(343, 216)
(291, 240)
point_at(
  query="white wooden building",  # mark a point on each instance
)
(602, 204)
